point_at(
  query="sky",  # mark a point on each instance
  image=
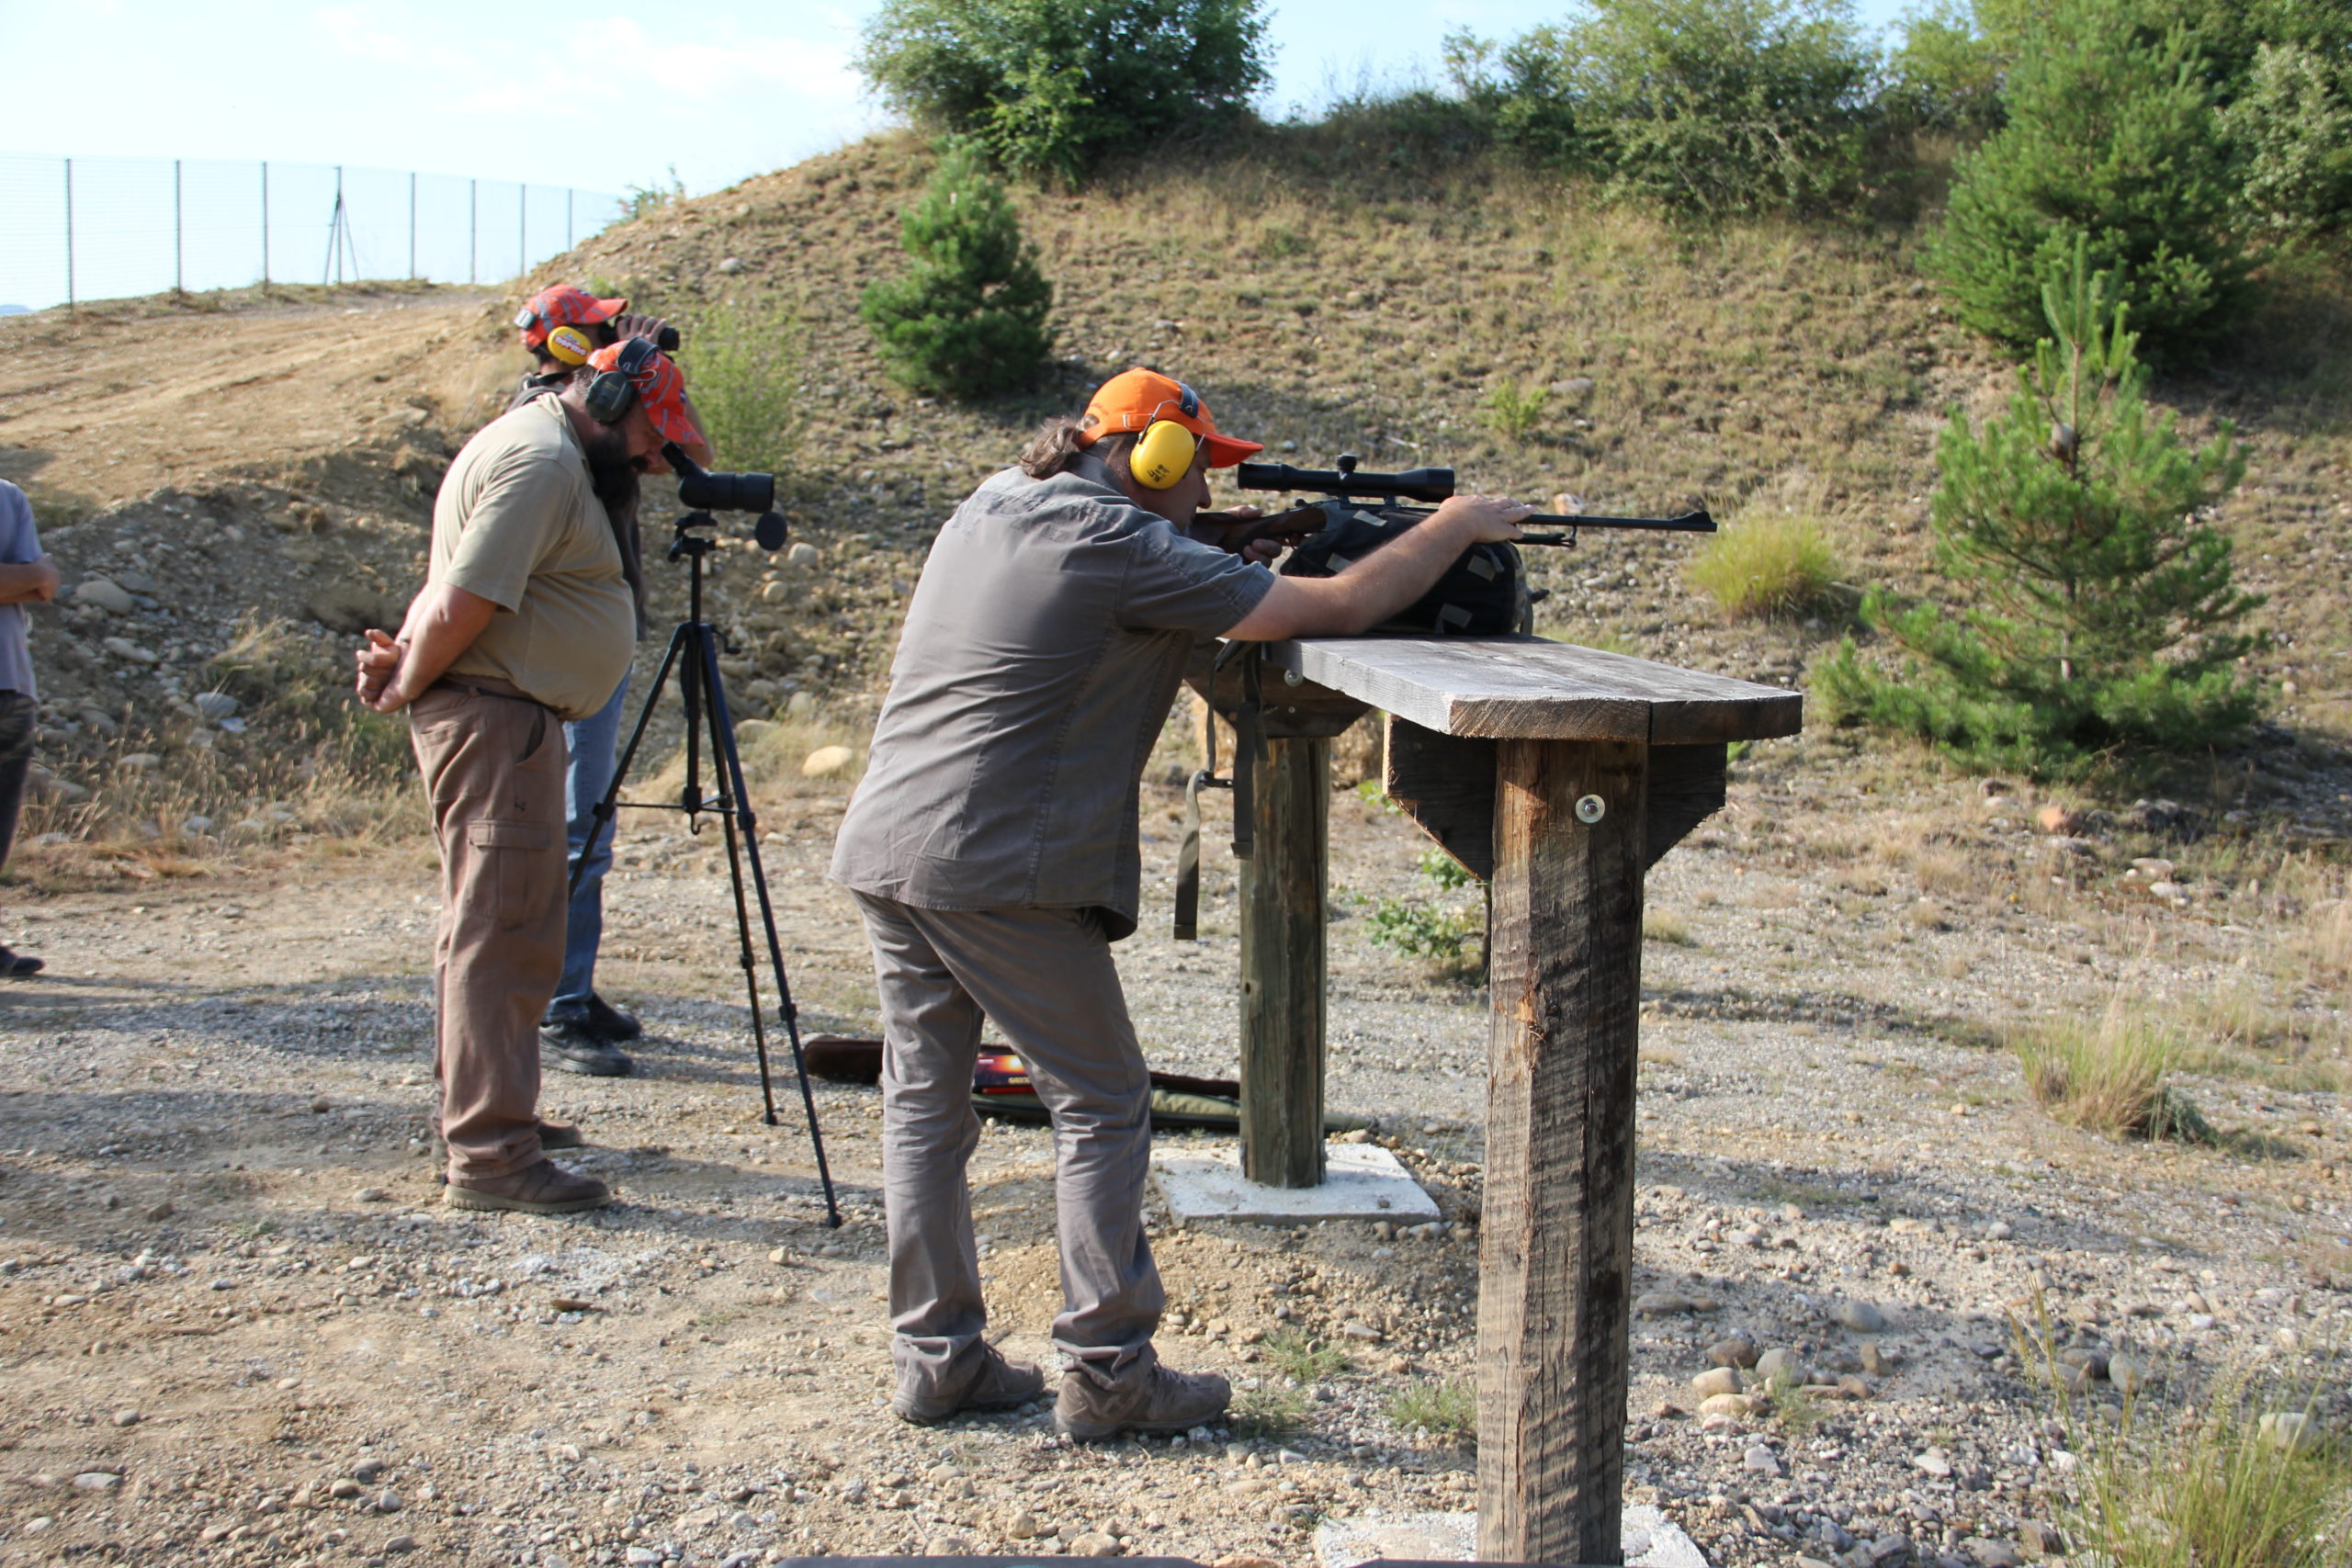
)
(598, 96)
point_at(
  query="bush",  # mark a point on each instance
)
(2294, 127)
(1446, 1410)
(1767, 566)
(1709, 106)
(967, 318)
(1511, 413)
(743, 364)
(2104, 604)
(1052, 87)
(1945, 75)
(2111, 142)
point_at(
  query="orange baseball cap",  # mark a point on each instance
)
(659, 388)
(563, 306)
(1133, 398)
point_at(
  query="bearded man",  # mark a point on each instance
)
(526, 623)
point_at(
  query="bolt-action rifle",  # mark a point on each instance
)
(1347, 490)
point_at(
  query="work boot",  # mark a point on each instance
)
(1001, 1383)
(1149, 1398)
(559, 1135)
(545, 1188)
(568, 1047)
(18, 965)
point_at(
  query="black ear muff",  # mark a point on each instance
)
(611, 394)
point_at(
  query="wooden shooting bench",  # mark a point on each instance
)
(1557, 775)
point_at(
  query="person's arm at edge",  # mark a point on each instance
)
(443, 622)
(20, 582)
(1383, 582)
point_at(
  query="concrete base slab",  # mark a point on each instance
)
(1362, 1181)
(1651, 1540)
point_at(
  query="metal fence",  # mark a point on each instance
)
(76, 229)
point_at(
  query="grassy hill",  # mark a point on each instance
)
(1322, 302)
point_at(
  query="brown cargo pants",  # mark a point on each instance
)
(493, 771)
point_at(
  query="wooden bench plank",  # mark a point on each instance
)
(1530, 688)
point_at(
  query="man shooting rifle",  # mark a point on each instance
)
(993, 850)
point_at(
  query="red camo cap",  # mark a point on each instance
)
(564, 306)
(1133, 398)
(661, 390)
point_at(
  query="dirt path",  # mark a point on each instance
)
(238, 1328)
(123, 401)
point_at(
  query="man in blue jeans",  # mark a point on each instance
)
(583, 1033)
(26, 576)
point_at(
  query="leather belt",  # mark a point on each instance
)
(486, 686)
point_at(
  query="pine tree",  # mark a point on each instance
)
(2102, 610)
(967, 318)
(2111, 140)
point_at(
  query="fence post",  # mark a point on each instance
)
(522, 227)
(69, 302)
(179, 248)
(411, 225)
(264, 226)
(567, 217)
(473, 231)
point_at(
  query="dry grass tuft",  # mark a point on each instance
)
(2111, 1078)
(1770, 565)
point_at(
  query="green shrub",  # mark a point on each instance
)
(2112, 141)
(2102, 605)
(1944, 75)
(967, 318)
(1511, 413)
(1708, 106)
(1768, 565)
(1052, 87)
(743, 366)
(2294, 127)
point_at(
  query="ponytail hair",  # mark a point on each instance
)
(1056, 446)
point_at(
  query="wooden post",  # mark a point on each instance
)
(1557, 1227)
(1282, 918)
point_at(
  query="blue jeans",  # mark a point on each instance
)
(595, 748)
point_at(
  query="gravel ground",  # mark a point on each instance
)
(239, 1329)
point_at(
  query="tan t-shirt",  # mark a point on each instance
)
(517, 522)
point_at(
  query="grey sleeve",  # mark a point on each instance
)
(1174, 583)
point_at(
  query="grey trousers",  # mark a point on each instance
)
(1045, 976)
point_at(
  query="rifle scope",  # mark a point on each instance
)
(1347, 480)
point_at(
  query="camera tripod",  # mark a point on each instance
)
(692, 656)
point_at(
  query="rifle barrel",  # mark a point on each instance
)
(1698, 522)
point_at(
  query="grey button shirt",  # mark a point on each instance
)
(1041, 650)
(19, 546)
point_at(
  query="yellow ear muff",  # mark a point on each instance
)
(571, 346)
(1164, 455)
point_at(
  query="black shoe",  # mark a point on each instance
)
(568, 1047)
(17, 966)
(609, 1023)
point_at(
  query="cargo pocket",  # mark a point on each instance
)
(512, 860)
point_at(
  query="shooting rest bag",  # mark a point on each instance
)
(1483, 593)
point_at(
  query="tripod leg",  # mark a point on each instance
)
(728, 761)
(605, 809)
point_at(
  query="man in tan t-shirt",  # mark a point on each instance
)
(526, 621)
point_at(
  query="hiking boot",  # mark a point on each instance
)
(1001, 1385)
(559, 1135)
(18, 965)
(1147, 1399)
(542, 1189)
(568, 1047)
